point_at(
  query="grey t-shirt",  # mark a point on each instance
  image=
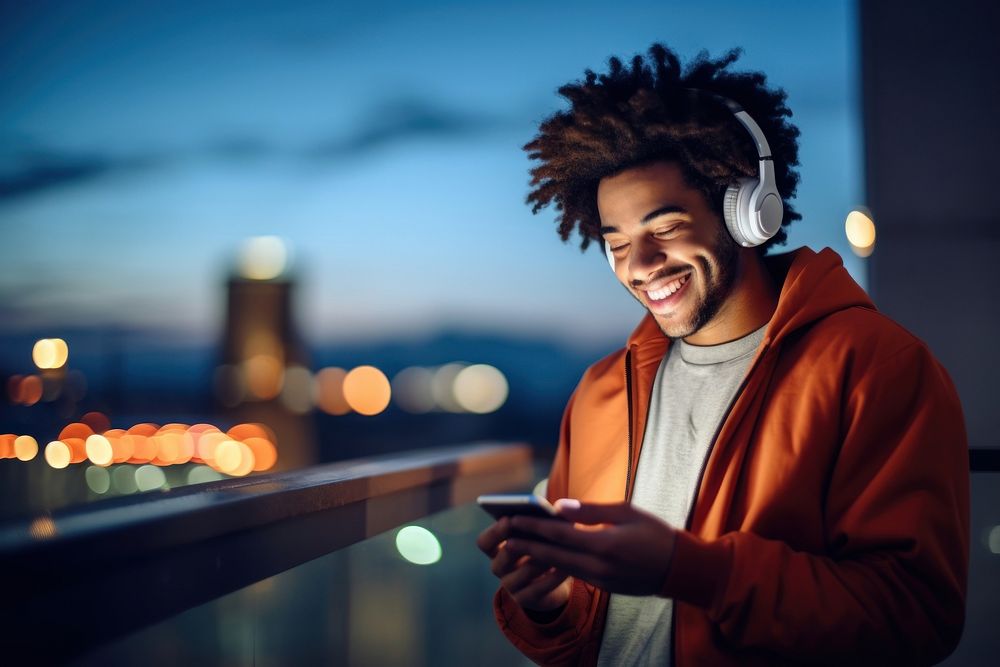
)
(693, 389)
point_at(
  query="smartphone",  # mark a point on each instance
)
(525, 504)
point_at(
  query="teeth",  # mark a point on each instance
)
(668, 289)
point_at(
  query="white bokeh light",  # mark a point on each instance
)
(263, 258)
(418, 545)
(480, 389)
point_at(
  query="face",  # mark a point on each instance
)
(671, 251)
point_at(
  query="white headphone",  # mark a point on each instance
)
(752, 207)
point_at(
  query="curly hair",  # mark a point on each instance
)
(651, 111)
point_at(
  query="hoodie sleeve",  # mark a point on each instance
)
(561, 641)
(891, 587)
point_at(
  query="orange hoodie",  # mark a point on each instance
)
(831, 523)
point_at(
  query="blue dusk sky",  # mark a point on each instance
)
(142, 142)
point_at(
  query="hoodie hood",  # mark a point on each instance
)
(813, 285)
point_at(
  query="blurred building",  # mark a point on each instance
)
(264, 375)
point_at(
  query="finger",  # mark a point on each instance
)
(591, 513)
(573, 562)
(523, 575)
(562, 533)
(490, 539)
(506, 562)
(550, 580)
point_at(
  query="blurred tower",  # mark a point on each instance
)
(264, 375)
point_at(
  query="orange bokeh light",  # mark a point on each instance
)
(30, 390)
(97, 421)
(264, 452)
(251, 430)
(143, 445)
(25, 448)
(121, 447)
(330, 391)
(367, 390)
(264, 376)
(7, 445)
(76, 430)
(207, 444)
(77, 449)
(196, 432)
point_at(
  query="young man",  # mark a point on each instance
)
(770, 471)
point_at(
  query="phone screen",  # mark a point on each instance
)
(518, 504)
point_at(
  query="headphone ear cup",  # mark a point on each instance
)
(610, 255)
(736, 210)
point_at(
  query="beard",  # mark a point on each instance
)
(719, 266)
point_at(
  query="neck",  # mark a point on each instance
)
(748, 307)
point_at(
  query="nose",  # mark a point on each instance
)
(645, 259)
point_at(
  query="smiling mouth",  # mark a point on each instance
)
(664, 292)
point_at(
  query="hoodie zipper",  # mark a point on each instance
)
(628, 434)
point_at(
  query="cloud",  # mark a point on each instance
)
(403, 119)
(390, 122)
(39, 172)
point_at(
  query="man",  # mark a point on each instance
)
(771, 471)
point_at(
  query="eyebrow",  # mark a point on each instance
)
(652, 215)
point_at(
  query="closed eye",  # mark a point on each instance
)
(667, 231)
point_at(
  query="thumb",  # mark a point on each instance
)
(590, 513)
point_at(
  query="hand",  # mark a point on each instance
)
(627, 551)
(534, 585)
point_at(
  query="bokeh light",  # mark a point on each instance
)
(76, 430)
(57, 454)
(263, 258)
(98, 479)
(49, 353)
(25, 448)
(234, 458)
(264, 375)
(97, 421)
(860, 229)
(121, 445)
(202, 474)
(480, 388)
(993, 540)
(77, 449)
(411, 389)
(418, 545)
(297, 392)
(247, 461)
(31, 389)
(329, 390)
(42, 528)
(207, 444)
(367, 390)
(265, 455)
(99, 450)
(149, 478)
(123, 480)
(443, 387)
